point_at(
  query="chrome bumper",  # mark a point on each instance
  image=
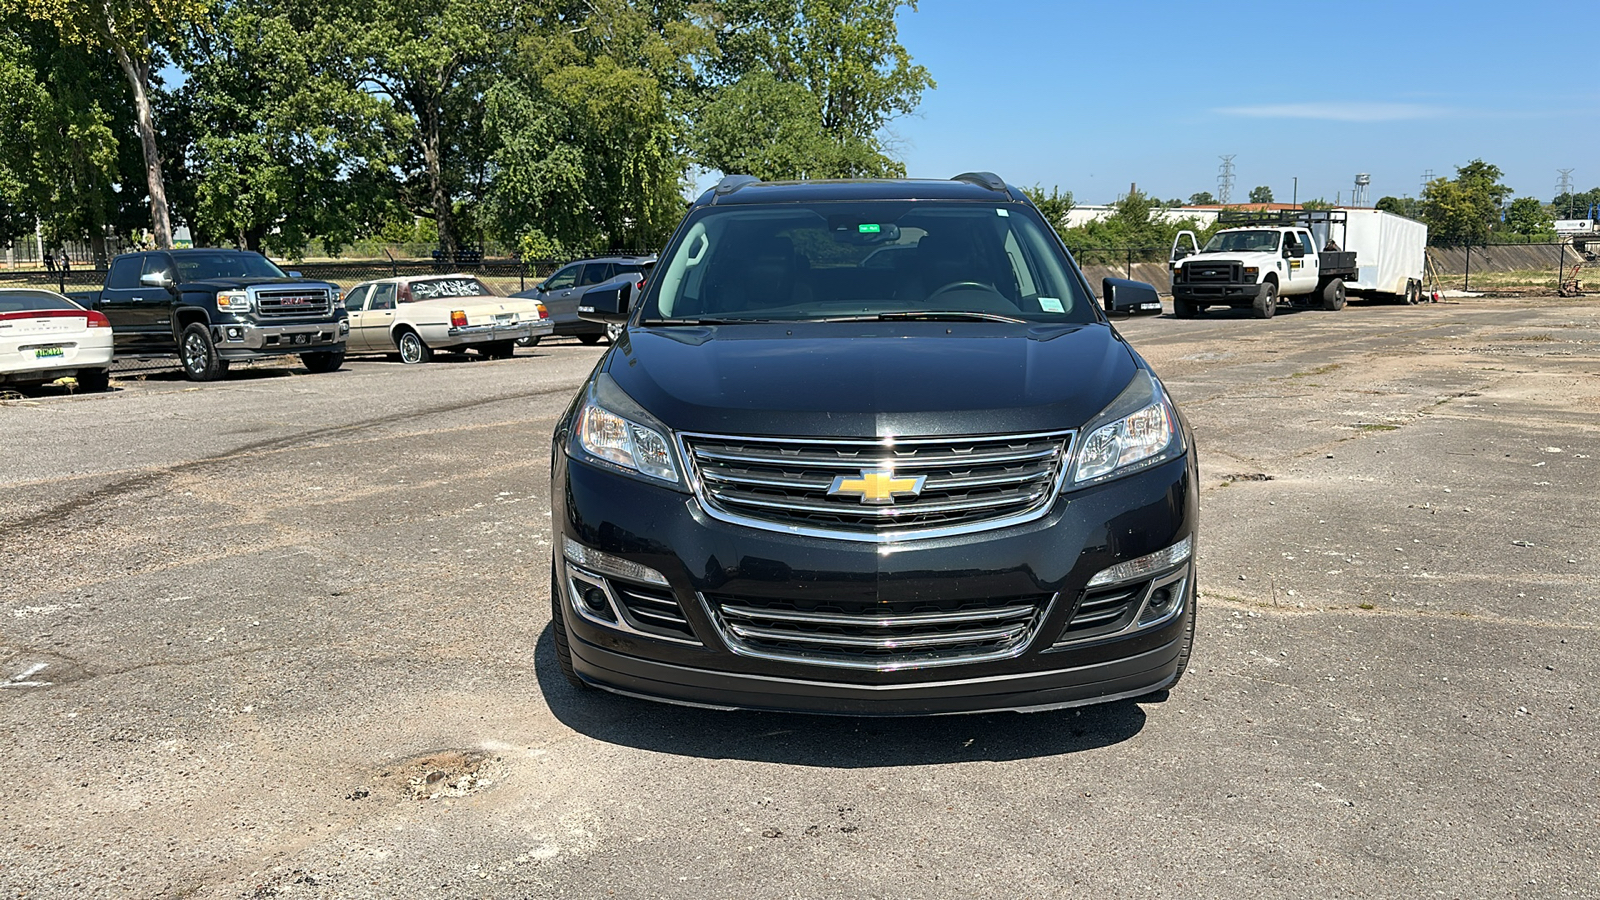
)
(245, 339)
(478, 334)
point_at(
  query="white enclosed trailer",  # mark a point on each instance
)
(1391, 251)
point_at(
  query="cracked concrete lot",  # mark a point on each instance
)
(287, 636)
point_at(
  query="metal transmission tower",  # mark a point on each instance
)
(1426, 178)
(1565, 187)
(1225, 179)
(1358, 197)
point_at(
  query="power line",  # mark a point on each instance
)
(1225, 179)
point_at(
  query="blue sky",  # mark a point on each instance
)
(1093, 96)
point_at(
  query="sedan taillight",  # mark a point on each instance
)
(458, 318)
(97, 320)
(543, 313)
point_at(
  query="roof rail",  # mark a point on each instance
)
(987, 180)
(731, 183)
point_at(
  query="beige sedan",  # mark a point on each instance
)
(419, 315)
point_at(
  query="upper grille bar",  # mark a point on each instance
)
(299, 302)
(967, 483)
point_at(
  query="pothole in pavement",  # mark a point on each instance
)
(1247, 476)
(436, 775)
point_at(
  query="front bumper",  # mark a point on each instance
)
(703, 559)
(248, 340)
(1214, 293)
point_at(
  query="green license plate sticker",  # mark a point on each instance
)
(49, 353)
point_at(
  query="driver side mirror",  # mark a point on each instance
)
(1179, 252)
(608, 303)
(541, 287)
(156, 280)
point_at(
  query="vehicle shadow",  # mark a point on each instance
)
(828, 741)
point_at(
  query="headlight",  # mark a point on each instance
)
(1251, 272)
(1138, 430)
(233, 301)
(621, 441)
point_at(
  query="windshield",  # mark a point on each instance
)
(433, 288)
(848, 260)
(1243, 242)
(204, 266)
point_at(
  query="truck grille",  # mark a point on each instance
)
(878, 636)
(950, 484)
(293, 303)
(1212, 272)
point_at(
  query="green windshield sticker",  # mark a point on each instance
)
(869, 228)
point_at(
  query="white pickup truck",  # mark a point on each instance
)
(1295, 256)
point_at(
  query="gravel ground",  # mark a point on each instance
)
(287, 636)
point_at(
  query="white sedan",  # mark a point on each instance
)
(45, 336)
(420, 314)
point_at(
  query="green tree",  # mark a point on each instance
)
(1262, 194)
(1527, 216)
(1319, 203)
(62, 108)
(140, 34)
(1409, 207)
(1575, 205)
(281, 146)
(1464, 209)
(1054, 206)
(847, 58)
(1136, 221)
(591, 146)
(1203, 198)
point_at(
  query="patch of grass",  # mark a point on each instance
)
(1320, 370)
(1367, 606)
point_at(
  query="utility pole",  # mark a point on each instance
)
(1565, 187)
(1225, 179)
(1296, 200)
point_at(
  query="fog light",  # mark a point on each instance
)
(1160, 600)
(235, 334)
(595, 600)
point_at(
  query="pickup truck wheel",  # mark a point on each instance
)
(328, 361)
(530, 341)
(95, 379)
(558, 631)
(200, 360)
(413, 349)
(1333, 295)
(1266, 301)
(590, 338)
(1185, 309)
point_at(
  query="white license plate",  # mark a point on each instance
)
(505, 317)
(1149, 306)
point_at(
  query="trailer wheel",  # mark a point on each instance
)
(1267, 301)
(1413, 293)
(1333, 295)
(1185, 309)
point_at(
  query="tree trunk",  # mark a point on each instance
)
(97, 246)
(139, 77)
(433, 155)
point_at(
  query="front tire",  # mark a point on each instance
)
(199, 354)
(558, 631)
(1333, 295)
(590, 339)
(413, 349)
(1266, 302)
(1185, 309)
(318, 363)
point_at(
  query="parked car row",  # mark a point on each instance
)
(562, 291)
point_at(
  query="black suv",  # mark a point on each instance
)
(815, 474)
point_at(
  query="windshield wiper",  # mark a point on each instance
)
(929, 315)
(703, 321)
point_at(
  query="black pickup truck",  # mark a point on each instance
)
(211, 307)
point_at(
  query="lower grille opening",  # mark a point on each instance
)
(881, 637)
(1104, 611)
(653, 609)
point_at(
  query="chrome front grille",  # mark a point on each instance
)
(964, 484)
(878, 636)
(299, 302)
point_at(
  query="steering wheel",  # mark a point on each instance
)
(963, 286)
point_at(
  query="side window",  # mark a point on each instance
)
(563, 279)
(356, 300)
(124, 274)
(1307, 241)
(594, 273)
(159, 264)
(382, 296)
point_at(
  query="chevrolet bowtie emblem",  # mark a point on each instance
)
(878, 487)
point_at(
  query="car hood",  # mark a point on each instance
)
(1264, 260)
(872, 379)
(233, 284)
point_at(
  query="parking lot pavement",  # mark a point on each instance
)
(287, 635)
